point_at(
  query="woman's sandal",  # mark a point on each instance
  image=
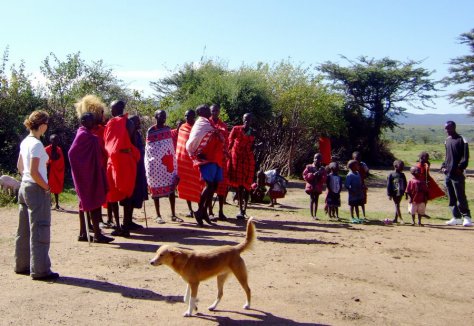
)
(177, 219)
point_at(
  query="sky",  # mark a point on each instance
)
(143, 41)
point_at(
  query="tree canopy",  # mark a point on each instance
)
(462, 73)
(376, 91)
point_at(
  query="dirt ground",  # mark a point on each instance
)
(301, 272)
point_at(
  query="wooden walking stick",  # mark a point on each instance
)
(144, 212)
(86, 222)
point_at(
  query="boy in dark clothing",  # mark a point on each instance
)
(396, 186)
(457, 158)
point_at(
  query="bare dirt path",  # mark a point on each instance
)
(301, 272)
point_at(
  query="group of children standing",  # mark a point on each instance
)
(317, 176)
(418, 190)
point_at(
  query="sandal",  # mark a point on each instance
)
(159, 220)
(83, 238)
(103, 239)
(177, 219)
(121, 233)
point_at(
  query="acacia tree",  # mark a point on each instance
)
(462, 73)
(378, 91)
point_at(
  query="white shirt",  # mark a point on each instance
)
(32, 147)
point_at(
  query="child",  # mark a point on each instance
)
(258, 189)
(315, 176)
(434, 191)
(363, 171)
(55, 168)
(355, 188)
(396, 186)
(417, 191)
(277, 185)
(334, 185)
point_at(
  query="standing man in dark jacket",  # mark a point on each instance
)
(457, 158)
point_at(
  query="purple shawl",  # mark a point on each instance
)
(88, 173)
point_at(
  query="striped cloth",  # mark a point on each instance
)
(190, 184)
(242, 162)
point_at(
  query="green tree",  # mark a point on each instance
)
(69, 80)
(238, 92)
(18, 98)
(462, 73)
(304, 109)
(377, 91)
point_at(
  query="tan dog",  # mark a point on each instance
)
(197, 266)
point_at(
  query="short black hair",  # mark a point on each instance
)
(451, 123)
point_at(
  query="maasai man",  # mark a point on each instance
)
(242, 162)
(121, 165)
(160, 165)
(190, 185)
(55, 168)
(88, 174)
(206, 148)
(222, 188)
(92, 104)
(140, 193)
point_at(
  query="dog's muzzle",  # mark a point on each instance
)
(154, 262)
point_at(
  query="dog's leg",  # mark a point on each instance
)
(192, 301)
(220, 290)
(186, 295)
(240, 272)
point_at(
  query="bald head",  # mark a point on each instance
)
(117, 107)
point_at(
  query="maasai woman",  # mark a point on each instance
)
(160, 165)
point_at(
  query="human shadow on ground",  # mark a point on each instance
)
(64, 210)
(191, 237)
(262, 318)
(288, 225)
(277, 208)
(296, 240)
(449, 227)
(128, 292)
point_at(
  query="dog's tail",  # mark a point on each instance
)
(249, 236)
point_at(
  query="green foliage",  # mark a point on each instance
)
(376, 91)
(462, 73)
(18, 99)
(290, 102)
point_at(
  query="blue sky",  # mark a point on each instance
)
(144, 40)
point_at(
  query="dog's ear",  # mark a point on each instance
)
(174, 252)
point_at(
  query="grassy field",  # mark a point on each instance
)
(413, 134)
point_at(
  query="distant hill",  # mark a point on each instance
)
(434, 119)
